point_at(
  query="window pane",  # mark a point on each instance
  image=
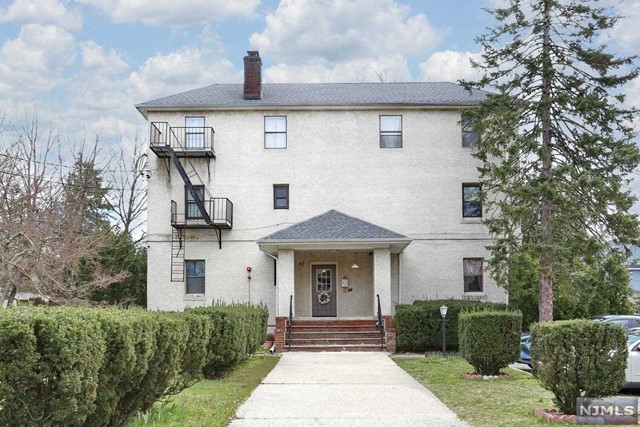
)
(470, 139)
(195, 277)
(275, 140)
(391, 141)
(194, 132)
(473, 275)
(275, 124)
(194, 122)
(471, 203)
(195, 285)
(391, 123)
(281, 196)
(192, 208)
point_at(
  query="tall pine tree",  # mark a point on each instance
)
(557, 145)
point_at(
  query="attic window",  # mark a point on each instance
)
(275, 132)
(390, 131)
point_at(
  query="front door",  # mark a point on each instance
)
(323, 291)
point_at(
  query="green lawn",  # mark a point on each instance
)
(210, 403)
(493, 403)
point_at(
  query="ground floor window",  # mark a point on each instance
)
(473, 272)
(195, 276)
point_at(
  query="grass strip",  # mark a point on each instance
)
(505, 402)
(210, 402)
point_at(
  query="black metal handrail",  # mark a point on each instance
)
(182, 138)
(219, 209)
(380, 322)
(290, 321)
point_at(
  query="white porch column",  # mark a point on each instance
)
(382, 280)
(286, 281)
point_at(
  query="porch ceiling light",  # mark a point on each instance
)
(355, 266)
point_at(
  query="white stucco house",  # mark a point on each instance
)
(324, 195)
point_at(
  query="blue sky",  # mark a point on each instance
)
(85, 63)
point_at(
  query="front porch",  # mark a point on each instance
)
(335, 268)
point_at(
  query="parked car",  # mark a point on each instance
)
(624, 320)
(632, 374)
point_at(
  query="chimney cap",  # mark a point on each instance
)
(253, 53)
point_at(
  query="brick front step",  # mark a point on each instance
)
(336, 341)
(366, 322)
(337, 347)
(334, 335)
(332, 328)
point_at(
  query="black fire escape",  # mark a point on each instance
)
(180, 145)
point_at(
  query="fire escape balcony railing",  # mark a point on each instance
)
(219, 209)
(184, 141)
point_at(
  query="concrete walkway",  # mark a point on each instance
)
(342, 389)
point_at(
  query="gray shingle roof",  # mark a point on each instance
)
(322, 94)
(333, 226)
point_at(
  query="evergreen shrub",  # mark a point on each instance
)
(579, 358)
(99, 366)
(419, 325)
(489, 339)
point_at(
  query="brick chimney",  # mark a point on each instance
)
(252, 75)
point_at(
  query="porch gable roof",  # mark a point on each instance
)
(334, 229)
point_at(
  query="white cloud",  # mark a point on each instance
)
(632, 92)
(388, 68)
(174, 13)
(185, 69)
(625, 34)
(341, 30)
(449, 66)
(44, 12)
(95, 59)
(36, 59)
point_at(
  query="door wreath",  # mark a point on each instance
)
(324, 298)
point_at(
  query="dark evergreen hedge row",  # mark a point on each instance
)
(418, 325)
(577, 358)
(490, 339)
(97, 367)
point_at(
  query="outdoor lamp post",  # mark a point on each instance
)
(443, 313)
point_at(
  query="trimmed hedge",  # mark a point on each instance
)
(419, 325)
(98, 367)
(490, 340)
(49, 366)
(576, 358)
(238, 331)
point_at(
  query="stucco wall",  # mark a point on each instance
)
(332, 161)
(354, 301)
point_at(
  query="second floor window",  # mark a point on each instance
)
(281, 196)
(275, 132)
(194, 132)
(192, 211)
(470, 138)
(471, 201)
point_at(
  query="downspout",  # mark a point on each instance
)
(399, 278)
(275, 258)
